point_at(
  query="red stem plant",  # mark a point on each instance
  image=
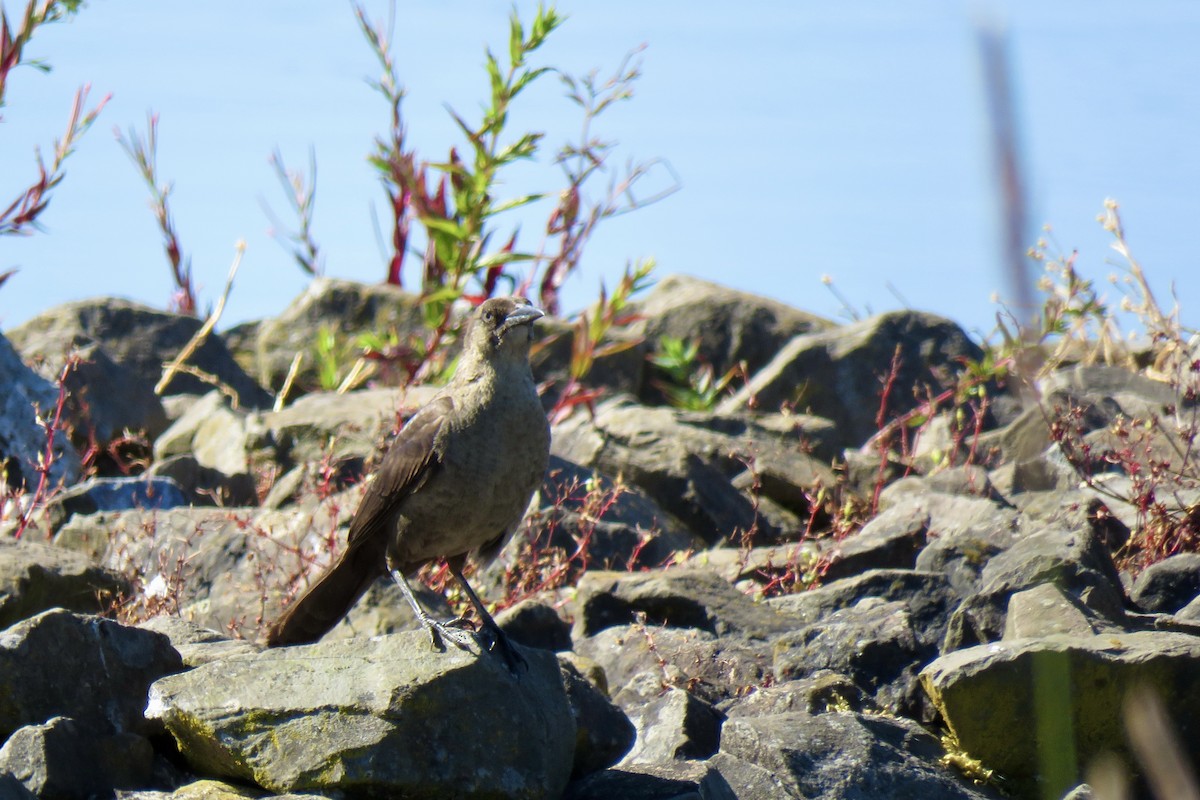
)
(144, 154)
(20, 216)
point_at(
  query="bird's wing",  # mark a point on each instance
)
(407, 464)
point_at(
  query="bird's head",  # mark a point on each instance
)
(503, 321)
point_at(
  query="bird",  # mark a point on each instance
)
(455, 482)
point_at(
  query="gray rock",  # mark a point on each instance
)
(621, 526)
(1046, 610)
(889, 541)
(90, 669)
(212, 432)
(675, 780)
(685, 461)
(729, 326)
(1075, 561)
(535, 624)
(36, 577)
(12, 789)
(141, 340)
(204, 485)
(836, 373)
(225, 569)
(837, 755)
(1169, 585)
(647, 660)
(817, 693)
(105, 399)
(62, 759)
(1060, 693)
(927, 596)
(378, 718)
(26, 398)
(684, 598)
(671, 724)
(873, 643)
(197, 645)
(345, 307)
(116, 494)
(603, 734)
(964, 534)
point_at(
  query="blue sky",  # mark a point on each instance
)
(810, 139)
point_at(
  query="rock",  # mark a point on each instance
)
(90, 669)
(1076, 561)
(139, 339)
(104, 399)
(225, 569)
(60, 759)
(603, 734)
(197, 645)
(1046, 610)
(380, 717)
(535, 624)
(889, 541)
(838, 755)
(36, 577)
(686, 461)
(873, 643)
(13, 789)
(672, 724)
(203, 485)
(648, 660)
(116, 494)
(678, 598)
(212, 432)
(927, 596)
(622, 527)
(1060, 693)
(1169, 585)
(963, 535)
(837, 373)
(817, 693)
(27, 398)
(729, 326)
(215, 790)
(677, 780)
(346, 308)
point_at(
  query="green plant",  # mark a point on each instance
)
(588, 335)
(21, 215)
(686, 382)
(456, 203)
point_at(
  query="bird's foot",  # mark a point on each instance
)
(459, 632)
(498, 641)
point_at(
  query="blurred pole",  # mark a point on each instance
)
(1016, 265)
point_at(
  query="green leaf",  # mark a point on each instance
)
(526, 77)
(445, 226)
(501, 257)
(516, 38)
(516, 202)
(497, 81)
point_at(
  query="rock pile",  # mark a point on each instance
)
(701, 613)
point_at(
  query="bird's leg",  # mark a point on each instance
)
(499, 640)
(439, 632)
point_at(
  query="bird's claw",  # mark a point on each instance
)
(499, 641)
(458, 632)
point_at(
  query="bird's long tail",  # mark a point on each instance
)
(330, 598)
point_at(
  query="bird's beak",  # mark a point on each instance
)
(521, 315)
